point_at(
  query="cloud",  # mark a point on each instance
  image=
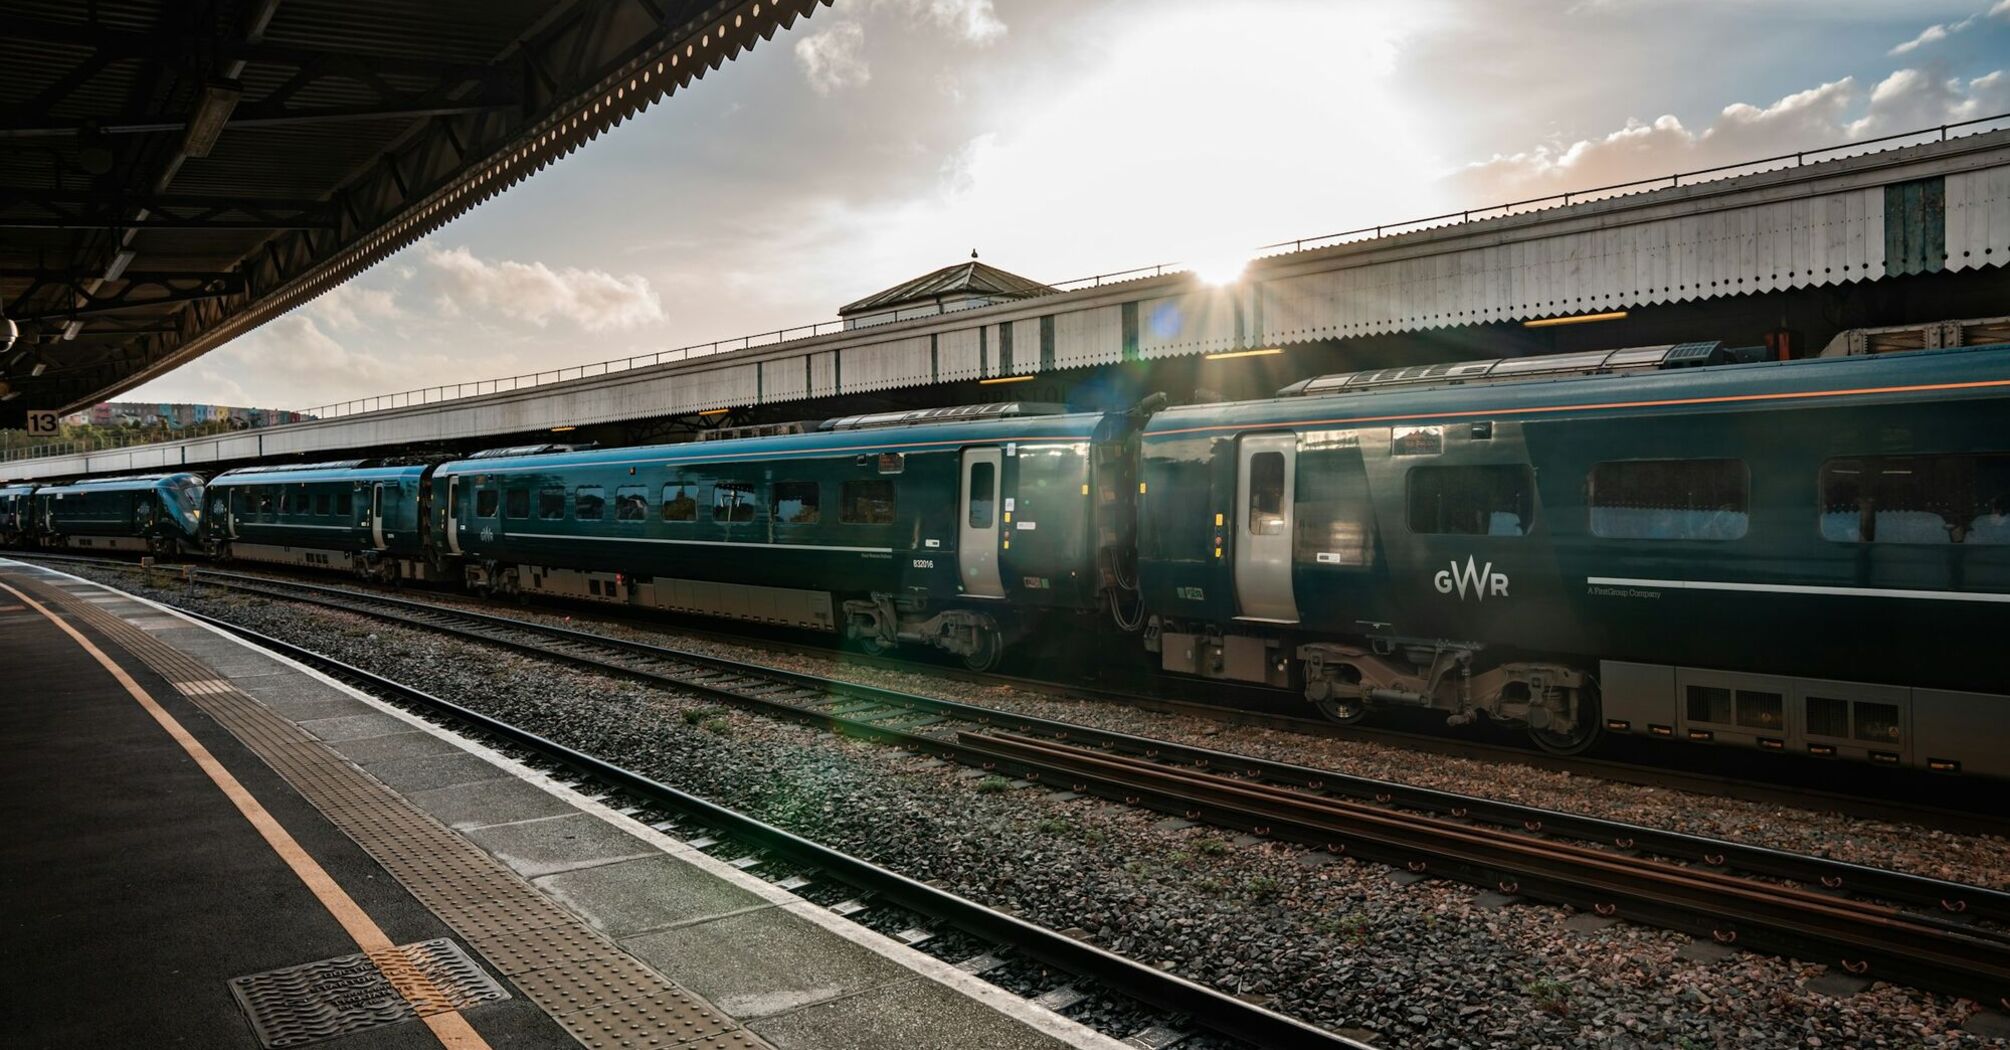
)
(2001, 10)
(1926, 36)
(595, 300)
(833, 59)
(351, 305)
(1820, 116)
(973, 20)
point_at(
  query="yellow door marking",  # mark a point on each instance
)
(450, 1027)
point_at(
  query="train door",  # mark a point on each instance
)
(454, 514)
(977, 524)
(377, 515)
(1264, 470)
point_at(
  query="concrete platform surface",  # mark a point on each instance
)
(779, 969)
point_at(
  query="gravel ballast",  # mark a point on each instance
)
(1332, 941)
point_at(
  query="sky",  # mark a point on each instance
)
(882, 139)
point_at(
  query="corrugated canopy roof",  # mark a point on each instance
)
(970, 278)
(173, 174)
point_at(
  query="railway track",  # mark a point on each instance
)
(858, 889)
(1866, 921)
(1979, 810)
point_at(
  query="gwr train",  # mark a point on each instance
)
(1807, 556)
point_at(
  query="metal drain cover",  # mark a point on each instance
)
(351, 993)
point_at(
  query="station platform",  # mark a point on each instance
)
(212, 846)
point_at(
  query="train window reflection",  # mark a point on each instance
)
(680, 502)
(1670, 499)
(983, 492)
(485, 502)
(1930, 500)
(1266, 494)
(321, 503)
(732, 501)
(867, 503)
(589, 503)
(795, 503)
(1472, 501)
(345, 503)
(516, 503)
(551, 504)
(630, 503)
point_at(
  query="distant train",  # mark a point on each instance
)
(1807, 556)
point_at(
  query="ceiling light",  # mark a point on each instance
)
(70, 330)
(715, 412)
(1005, 379)
(212, 112)
(563, 429)
(40, 367)
(119, 263)
(1551, 322)
(1232, 354)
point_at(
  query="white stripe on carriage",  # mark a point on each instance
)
(1798, 588)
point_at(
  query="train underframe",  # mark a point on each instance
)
(1346, 679)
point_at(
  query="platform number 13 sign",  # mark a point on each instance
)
(42, 424)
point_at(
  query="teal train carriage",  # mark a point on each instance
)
(17, 514)
(361, 516)
(1808, 556)
(153, 514)
(957, 528)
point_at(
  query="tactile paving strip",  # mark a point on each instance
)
(352, 993)
(596, 991)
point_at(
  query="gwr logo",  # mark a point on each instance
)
(1482, 580)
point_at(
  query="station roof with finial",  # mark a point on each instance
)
(971, 279)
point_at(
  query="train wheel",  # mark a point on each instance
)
(989, 648)
(1346, 712)
(1581, 736)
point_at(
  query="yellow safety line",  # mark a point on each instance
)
(450, 1027)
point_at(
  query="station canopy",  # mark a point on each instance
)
(176, 173)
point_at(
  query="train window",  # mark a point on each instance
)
(631, 503)
(292, 502)
(485, 502)
(1670, 499)
(588, 503)
(1266, 494)
(516, 503)
(345, 503)
(1472, 501)
(1877, 723)
(263, 499)
(1917, 499)
(1757, 710)
(732, 501)
(680, 502)
(983, 489)
(867, 503)
(795, 503)
(321, 505)
(1416, 441)
(551, 504)
(1709, 703)
(1827, 717)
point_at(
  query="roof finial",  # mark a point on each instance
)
(973, 253)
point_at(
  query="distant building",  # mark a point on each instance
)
(178, 416)
(964, 286)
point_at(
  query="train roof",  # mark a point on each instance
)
(131, 483)
(916, 436)
(304, 473)
(1980, 371)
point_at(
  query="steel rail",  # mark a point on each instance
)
(1942, 895)
(1864, 939)
(1224, 1014)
